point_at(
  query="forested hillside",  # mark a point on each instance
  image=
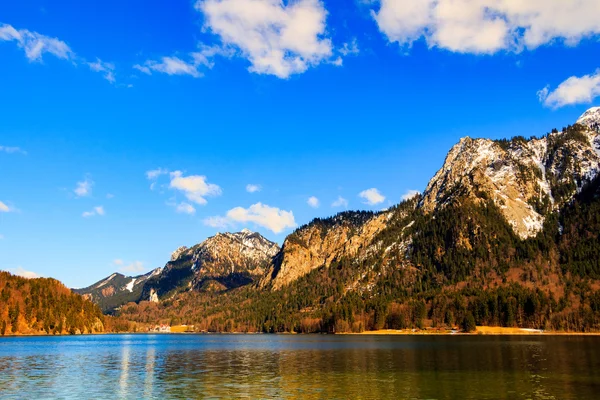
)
(44, 306)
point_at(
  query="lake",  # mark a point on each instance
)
(300, 366)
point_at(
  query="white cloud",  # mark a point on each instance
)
(340, 202)
(347, 49)
(218, 222)
(172, 66)
(350, 48)
(142, 69)
(575, 90)
(487, 26)
(84, 188)
(268, 217)
(372, 196)
(542, 94)
(95, 211)
(35, 44)
(155, 173)
(250, 188)
(410, 194)
(22, 272)
(5, 208)
(277, 38)
(176, 66)
(1, 236)
(185, 208)
(110, 196)
(105, 68)
(195, 187)
(12, 150)
(313, 202)
(134, 267)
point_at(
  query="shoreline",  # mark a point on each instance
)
(481, 331)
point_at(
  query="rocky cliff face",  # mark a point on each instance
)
(526, 179)
(352, 237)
(321, 242)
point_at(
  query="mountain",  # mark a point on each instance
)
(41, 305)
(507, 233)
(224, 261)
(526, 179)
(321, 242)
(116, 290)
(221, 262)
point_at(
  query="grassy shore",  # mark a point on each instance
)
(481, 330)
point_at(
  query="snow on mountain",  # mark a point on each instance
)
(226, 253)
(591, 118)
(524, 178)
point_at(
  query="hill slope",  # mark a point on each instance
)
(33, 306)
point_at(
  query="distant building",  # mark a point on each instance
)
(161, 329)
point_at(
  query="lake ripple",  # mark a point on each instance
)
(300, 366)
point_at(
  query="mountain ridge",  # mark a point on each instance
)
(221, 261)
(491, 219)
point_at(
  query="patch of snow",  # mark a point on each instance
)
(590, 118)
(130, 285)
(534, 223)
(540, 150)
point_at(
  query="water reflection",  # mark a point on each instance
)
(333, 367)
(150, 367)
(124, 378)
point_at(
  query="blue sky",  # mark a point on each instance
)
(302, 99)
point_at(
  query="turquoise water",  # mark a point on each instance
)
(300, 366)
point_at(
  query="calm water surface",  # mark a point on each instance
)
(282, 366)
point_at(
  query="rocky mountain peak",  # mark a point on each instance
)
(591, 118)
(177, 253)
(245, 240)
(224, 260)
(524, 178)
